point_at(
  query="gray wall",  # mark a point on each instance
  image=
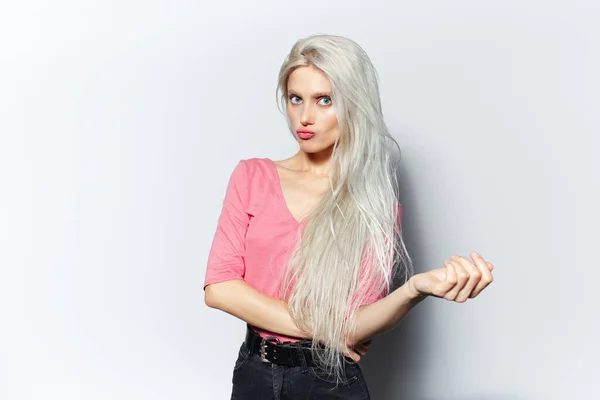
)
(120, 123)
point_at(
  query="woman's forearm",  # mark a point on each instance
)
(241, 300)
(384, 314)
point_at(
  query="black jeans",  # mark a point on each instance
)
(254, 379)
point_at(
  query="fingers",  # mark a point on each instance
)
(449, 282)
(353, 355)
(486, 269)
(473, 278)
(461, 279)
(361, 349)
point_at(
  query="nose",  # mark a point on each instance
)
(307, 117)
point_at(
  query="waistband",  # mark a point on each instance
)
(292, 354)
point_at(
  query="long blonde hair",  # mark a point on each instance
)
(324, 281)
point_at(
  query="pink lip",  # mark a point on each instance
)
(305, 134)
(305, 131)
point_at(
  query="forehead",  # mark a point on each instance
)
(308, 79)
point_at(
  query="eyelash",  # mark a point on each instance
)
(322, 97)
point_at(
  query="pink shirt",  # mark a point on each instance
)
(256, 232)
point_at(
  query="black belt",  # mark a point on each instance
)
(272, 351)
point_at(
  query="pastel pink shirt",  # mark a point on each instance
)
(256, 232)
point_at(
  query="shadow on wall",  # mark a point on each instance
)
(394, 367)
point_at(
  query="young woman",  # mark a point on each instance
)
(306, 248)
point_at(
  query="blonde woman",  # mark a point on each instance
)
(306, 248)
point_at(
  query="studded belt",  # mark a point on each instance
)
(271, 350)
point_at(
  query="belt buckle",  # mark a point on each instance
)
(263, 348)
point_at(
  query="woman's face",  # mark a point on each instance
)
(309, 108)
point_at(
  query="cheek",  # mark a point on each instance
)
(293, 116)
(330, 119)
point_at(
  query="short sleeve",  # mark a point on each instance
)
(226, 255)
(372, 295)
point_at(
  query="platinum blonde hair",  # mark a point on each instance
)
(352, 240)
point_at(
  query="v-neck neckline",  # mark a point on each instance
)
(279, 190)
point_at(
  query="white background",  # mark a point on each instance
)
(121, 121)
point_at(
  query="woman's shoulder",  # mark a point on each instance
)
(257, 168)
(258, 179)
(258, 182)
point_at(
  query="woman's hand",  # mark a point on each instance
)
(458, 281)
(359, 350)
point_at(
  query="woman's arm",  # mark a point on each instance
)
(459, 280)
(241, 300)
(384, 314)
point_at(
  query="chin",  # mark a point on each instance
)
(314, 148)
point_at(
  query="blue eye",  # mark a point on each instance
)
(326, 98)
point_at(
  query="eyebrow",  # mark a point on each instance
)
(315, 95)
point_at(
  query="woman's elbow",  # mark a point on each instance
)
(217, 294)
(210, 297)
